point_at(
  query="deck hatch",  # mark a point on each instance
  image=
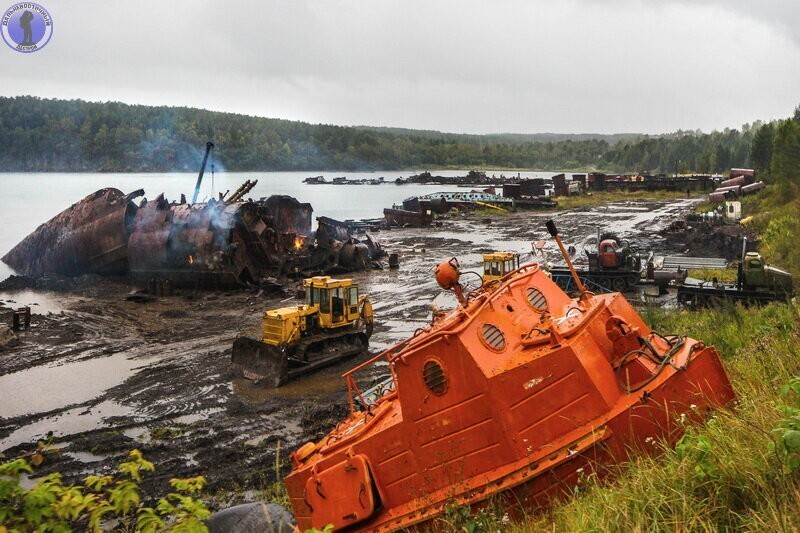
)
(537, 299)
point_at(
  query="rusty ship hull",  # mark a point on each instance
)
(222, 243)
(518, 392)
(402, 217)
(89, 236)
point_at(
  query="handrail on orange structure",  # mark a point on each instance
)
(507, 280)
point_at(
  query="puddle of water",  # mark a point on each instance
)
(142, 433)
(137, 433)
(86, 457)
(42, 389)
(195, 417)
(29, 483)
(40, 302)
(69, 422)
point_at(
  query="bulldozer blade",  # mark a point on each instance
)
(263, 363)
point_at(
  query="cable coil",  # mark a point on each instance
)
(648, 351)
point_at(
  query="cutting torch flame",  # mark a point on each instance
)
(191, 260)
(298, 243)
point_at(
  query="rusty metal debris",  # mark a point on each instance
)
(220, 243)
(338, 250)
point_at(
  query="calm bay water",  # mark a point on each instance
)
(29, 199)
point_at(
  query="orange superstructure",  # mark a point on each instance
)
(518, 390)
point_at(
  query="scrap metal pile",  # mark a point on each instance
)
(219, 243)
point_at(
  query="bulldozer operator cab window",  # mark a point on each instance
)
(312, 296)
(324, 301)
(353, 299)
(495, 268)
(337, 303)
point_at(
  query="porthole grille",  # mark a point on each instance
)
(493, 336)
(434, 377)
(537, 299)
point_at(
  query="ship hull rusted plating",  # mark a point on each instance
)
(214, 244)
(498, 397)
(89, 236)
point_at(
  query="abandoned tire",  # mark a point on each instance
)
(259, 516)
(619, 284)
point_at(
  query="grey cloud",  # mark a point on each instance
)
(508, 65)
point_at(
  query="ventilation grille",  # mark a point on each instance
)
(493, 336)
(537, 299)
(434, 377)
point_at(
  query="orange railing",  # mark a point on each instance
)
(471, 309)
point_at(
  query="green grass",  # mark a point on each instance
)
(728, 474)
(725, 475)
(776, 221)
(488, 211)
(727, 275)
(705, 206)
(604, 197)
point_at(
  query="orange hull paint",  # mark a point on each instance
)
(503, 396)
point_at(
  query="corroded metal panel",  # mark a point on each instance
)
(89, 236)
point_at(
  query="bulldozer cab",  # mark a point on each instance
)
(336, 299)
(753, 266)
(609, 254)
(758, 275)
(498, 264)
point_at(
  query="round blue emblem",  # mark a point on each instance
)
(26, 27)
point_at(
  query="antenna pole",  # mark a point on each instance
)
(551, 228)
(209, 146)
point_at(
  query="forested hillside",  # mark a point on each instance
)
(73, 135)
(509, 138)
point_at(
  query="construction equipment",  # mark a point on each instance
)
(756, 282)
(515, 395)
(613, 265)
(498, 264)
(334, 323)
(758, 276)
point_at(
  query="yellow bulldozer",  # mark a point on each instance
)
(334, 323)
(498, 264)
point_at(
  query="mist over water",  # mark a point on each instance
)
(30, 199)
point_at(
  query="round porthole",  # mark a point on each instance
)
(434, 377)
(493, 337)
(537, 299)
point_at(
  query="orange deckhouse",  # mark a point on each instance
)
(519, 390)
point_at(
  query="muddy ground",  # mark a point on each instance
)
(105, 374)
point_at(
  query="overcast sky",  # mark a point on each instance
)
(486, 66)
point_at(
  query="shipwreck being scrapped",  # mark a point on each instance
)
(219, 243)
(518, 391)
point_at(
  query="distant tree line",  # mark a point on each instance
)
(72, 135)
